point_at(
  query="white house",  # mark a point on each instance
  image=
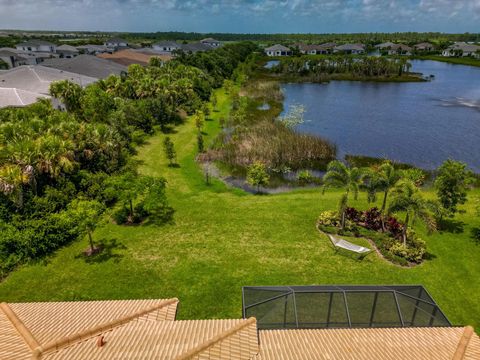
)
(166, 47)
(278, 50)
(350, 49)
(116, 43)
(462, 49)
(67, 51)
(211, 42)
(37, 46)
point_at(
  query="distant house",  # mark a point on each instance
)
(196, 47)
(399, 49)
(278, 50)
(12, 57)
(92, 49)
(166, 47)
(354, 49)
(128, 57)
(462, 49)
(424, 46)
(316, 49)
(385, 46)
(67, 51)
(37, 46)
(116, 43)
(211, 42)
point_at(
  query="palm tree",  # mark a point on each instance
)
(408, 198)
(389, 176)
(339, 175)
(12, 180)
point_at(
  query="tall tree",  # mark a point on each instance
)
(408, 198)
(451, 184)
(339, 175)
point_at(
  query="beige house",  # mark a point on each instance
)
(148, 329)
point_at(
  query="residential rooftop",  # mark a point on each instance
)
(148, 329)
(87, 65)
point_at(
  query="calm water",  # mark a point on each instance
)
(417, 123)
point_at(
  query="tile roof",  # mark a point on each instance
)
(17, 97)
(37, 79)
(67, 48)
(34, 42)
(277, 47)
(45, 327)
(147, 329)
(370, 344)
(87, 65)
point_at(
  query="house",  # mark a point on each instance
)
(93, 49)
(424, 46)
(32, 82)
(148, 329)
(37, 46)
(211, 42)
(278, 50)
(316, 49)
(462, 49)
(116, 43)
(67, 51)
(354, 49)
(87, 65)
(399, 49)
(166, 47)
(385, 46)
(196, 47)
(12, 57)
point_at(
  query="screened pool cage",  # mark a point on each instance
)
(313, 307)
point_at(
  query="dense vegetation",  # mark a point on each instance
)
(58, 168)
(321, 68)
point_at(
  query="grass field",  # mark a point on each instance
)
(223, 239)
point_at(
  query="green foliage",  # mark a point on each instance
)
(86, 214)
(169, 149)
(257, 175)
(328, 218)
(417, 176)
(199, 119)
(451, 184)
(200, 143)
(305, 177)
(68, 93)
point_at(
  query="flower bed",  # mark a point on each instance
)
(368, 224)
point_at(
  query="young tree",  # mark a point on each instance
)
(228, 86)
(257, 175)
(214, 101)
(451, 184)
(200, 143)
(170, 152)
(199, 118)
(86, 214)
(389, 176)
(408, 198)
(339, 175)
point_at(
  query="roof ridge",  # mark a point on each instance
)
(216, 339)
(87, 333)
(463, 343)
(19, 326)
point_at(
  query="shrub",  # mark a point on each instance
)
(329, 218)
(411, 254)
(373, 219)
(393, 226)
(305, 177)
(353, 214)
(257, 175)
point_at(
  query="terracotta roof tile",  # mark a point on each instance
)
(367, 344)
(193, 339)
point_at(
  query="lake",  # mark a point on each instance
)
(421, 123)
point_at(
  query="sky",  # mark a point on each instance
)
(243, 16)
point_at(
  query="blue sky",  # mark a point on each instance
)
(252, 16)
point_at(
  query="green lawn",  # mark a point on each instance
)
(223, 238)
(452, 60)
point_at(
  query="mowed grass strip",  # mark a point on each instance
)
(223, 238)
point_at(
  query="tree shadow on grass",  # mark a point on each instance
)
(168, 129)
(429, 256)
(451, 226)
(475, 235)
(107, 250)
(175, 165)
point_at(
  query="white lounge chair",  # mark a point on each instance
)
(346, 245)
